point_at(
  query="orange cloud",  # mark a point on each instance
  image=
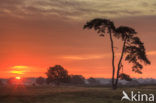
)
(20, 67)
(86, 57)
(151, 53)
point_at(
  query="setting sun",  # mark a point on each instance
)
(18, 78)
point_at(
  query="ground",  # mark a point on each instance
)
(67, 94)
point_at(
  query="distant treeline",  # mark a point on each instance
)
(57, 75)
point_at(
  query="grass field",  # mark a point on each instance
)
(67, 94)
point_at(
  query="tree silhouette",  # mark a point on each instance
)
(102, 26)
(77, 79)
(40, 80)
(133, 49)
(93, 81)
(124, 76)
(57, 74)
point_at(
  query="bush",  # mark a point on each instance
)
(40, 80)
(77, 79)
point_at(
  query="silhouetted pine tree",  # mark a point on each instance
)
(133, 49)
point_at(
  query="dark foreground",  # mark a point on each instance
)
(68, 94)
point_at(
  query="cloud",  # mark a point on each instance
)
(20, 67)
(153, 53)
(84, 57)
(77, 9)
(97, 56)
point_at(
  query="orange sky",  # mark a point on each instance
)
(37, 34)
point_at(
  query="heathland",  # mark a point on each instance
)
(68, 94)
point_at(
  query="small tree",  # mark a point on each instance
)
(77, 79)
(124, 76)
(93, 81)
(40, 80)
(57, 75)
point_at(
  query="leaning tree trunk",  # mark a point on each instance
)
(113, 66)
(119, 65)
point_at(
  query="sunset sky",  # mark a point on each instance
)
(36, 34)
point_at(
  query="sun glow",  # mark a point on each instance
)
(17, 72)
(18, 78)
(18, 69)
